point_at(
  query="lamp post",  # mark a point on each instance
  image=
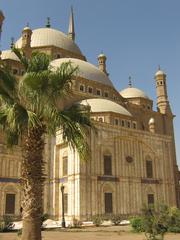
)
(63, 223)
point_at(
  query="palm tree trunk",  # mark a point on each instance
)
(32, 183)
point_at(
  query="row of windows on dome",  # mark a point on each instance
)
(17, 71)
(91, 91)
(107, 162)
(96, 91)
(118, 122)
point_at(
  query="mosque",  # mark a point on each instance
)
(133, 158)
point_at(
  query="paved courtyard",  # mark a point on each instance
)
(100, 233)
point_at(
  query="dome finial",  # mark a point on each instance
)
(159, 67)
(48, 24)
(12, 43)
(130, 82)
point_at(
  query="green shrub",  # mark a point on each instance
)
(77, 223)
(174, 229)
(44, 217)
(19, 232)
(137, 224)
(6, 224)
(97, 220)
(116, 219)
(155, 221)
(174, 220)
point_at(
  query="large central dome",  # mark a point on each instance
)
(86, 70)
(51, 37)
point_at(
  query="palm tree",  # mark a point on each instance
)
(29, 111)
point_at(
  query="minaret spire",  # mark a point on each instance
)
(71, 32)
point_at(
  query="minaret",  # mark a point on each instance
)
(1, 21)
(26, 41)
(102, 63)
(71, 32)
(161, 91)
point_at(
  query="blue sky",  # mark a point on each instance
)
(135, 35)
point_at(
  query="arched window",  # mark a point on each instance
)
(98, 92)
(107, 165)
(122, 123)
(100, 119)
(106, 94)
(90, 90)
(82, 88)
(116, 121)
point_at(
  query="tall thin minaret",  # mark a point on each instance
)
(161, 91)
(1, 21)
(71, 32)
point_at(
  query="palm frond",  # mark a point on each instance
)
(60, 80)
(8, 84)
(23, 59)
(76, 125)
(39, 62)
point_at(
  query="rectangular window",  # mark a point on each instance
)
(65, 203)
(108, 202)
(82, 88)
(134, 125)
(149, 169)
(90, 90)
(98, 92)
(122, 123)
(116, 121)
(65, 166)
(106, 94)
(107, 165)
(150, 199)
(10, 204)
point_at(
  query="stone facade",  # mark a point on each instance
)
(132, 161)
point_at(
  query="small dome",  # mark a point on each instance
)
(8, 54)
(86, 70)
(151, 121)
(132, 92)
(104, 105)
(159, 72)
(26, 28)
(102, 55)
(51, 37)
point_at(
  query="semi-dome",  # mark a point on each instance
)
(86, 70)
(51, 37)
(132, 92)
(8, 54)
(104, 105)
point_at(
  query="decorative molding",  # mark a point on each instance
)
(63, 180)
(9, 180)
(150, 181)
(108, 178)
